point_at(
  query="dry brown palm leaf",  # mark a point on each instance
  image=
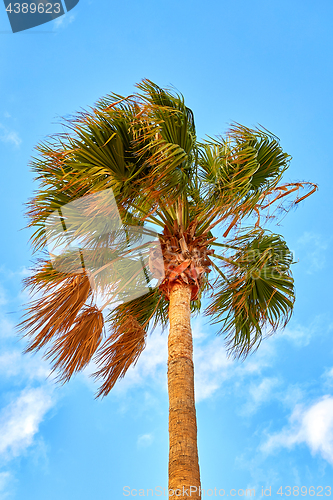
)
(55, 313)
(44, 277)
(121, 350)
(72, 351)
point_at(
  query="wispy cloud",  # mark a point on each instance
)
(20, 420)
(314, 246)
(30, 394)
(259, 393)
(145, 440)
(312, 425)
(212, 368)
(299, 335)
(64, 21)
(9, 136)
(5, 478)
(27, 367)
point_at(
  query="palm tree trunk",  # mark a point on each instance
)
(184, 474)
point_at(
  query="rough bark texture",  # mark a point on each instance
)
(183, 451)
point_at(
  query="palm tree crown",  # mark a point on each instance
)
(208, 202)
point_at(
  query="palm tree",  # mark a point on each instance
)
(143, 148)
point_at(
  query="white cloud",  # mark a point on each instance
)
(291, 395)
(301, 335)
(15, 364)
(9, 274)
(327, 378)
(315, 246)
(64, 20)
(211, 368)
(298, 335)
(154, 355)
(20, 420)
(260, 393)
(5, 477)
(312, 426)
(9, 136)
(198, 330)
(145, 440)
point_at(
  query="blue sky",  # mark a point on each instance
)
(265, 422)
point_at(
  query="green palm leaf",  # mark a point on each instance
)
(257, 295)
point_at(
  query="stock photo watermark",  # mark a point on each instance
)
(189, 491)
(295, 491)
(87, 236)
(27, 14)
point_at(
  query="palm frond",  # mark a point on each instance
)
(74, 349)
(54, 313)
(169, 138)
(262, 148)
(258, 295)
(129, 325)
(177, 120)
(120, 351)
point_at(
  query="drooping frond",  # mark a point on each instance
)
(74, 349)
(129, 324)
(120, 351)
(44, 277)
(61, 320)
(55, 312)
(257, 295)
